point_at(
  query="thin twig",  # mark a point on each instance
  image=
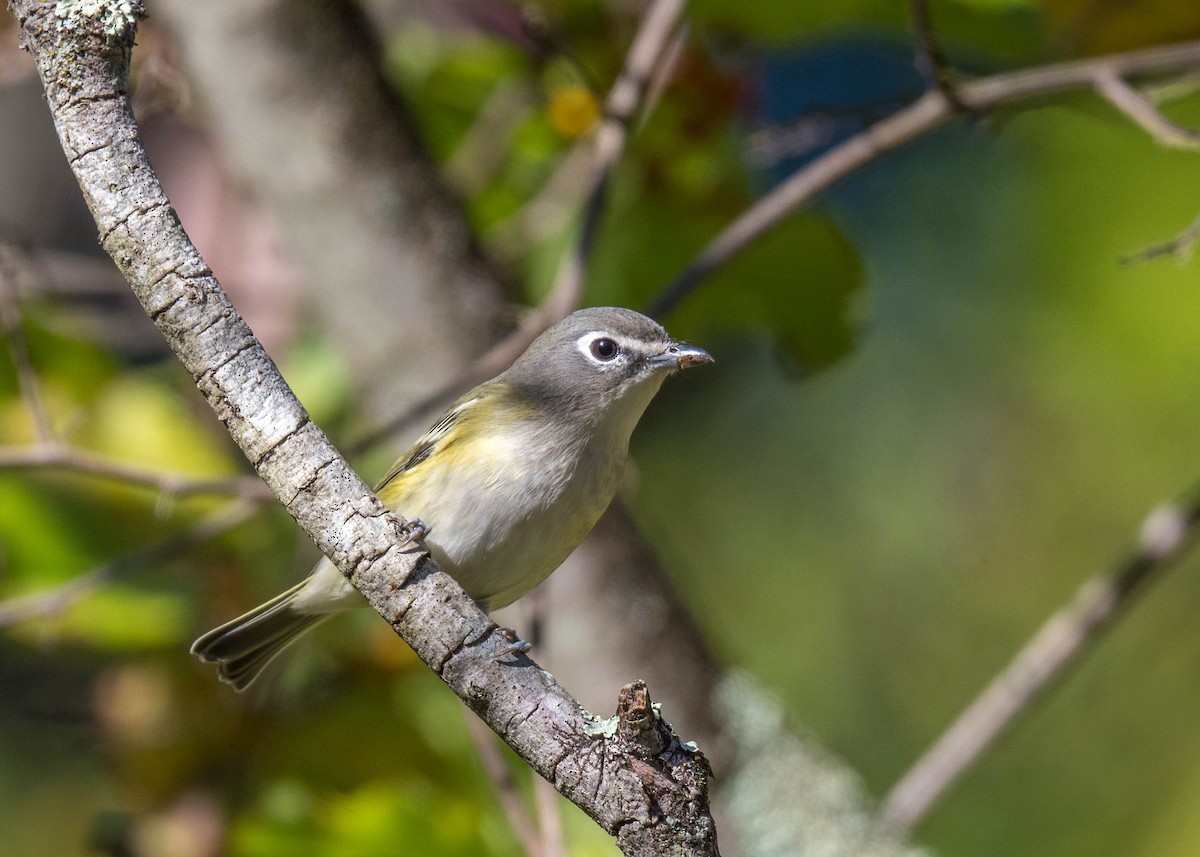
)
(930, 58)
(547, 808)
(651, 46)
(1117, 92)
(555, 203)
(1172, 88)
(504, 784)
(1180, 247)
(549, 814)
(667, 65)
(1058, 646)
(55, 456)
(51, 602)
(773, 143)
(547, 212)
(1143, 109)
(538, 28)
(18, 347)
(482, 150)
(919, 118)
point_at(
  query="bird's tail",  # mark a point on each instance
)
(242, 647)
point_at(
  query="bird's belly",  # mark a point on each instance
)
(502, 519)
(504, 537)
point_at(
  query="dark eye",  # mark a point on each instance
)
(605, 349)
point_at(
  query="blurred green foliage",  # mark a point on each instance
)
(1000, 404)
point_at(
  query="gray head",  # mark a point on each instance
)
(595, 357)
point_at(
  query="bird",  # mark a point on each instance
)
(504, 485)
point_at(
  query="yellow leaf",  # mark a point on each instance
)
(573, 110)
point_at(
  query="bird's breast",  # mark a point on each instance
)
(506, 509)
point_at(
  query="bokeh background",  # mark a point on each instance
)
(941, 402)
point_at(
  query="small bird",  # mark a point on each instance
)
(506, 483)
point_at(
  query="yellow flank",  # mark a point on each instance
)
(474, 488)
(443, 446)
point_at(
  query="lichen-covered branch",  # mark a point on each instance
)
(82, 53)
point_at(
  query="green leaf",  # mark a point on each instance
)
(796, 286)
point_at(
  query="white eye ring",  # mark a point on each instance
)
(601, 350)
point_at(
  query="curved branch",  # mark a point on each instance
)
(653, 802)
(504, 786)
(930, 58)
(49, 602)
(1113, 88)
(55, 456)
(1058, 645)
(922, 116)
(1180, 247)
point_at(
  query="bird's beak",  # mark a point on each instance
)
(680, 355)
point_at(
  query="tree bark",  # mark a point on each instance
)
(653, 801)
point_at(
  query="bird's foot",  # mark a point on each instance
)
(516, 644)
(413, 531)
